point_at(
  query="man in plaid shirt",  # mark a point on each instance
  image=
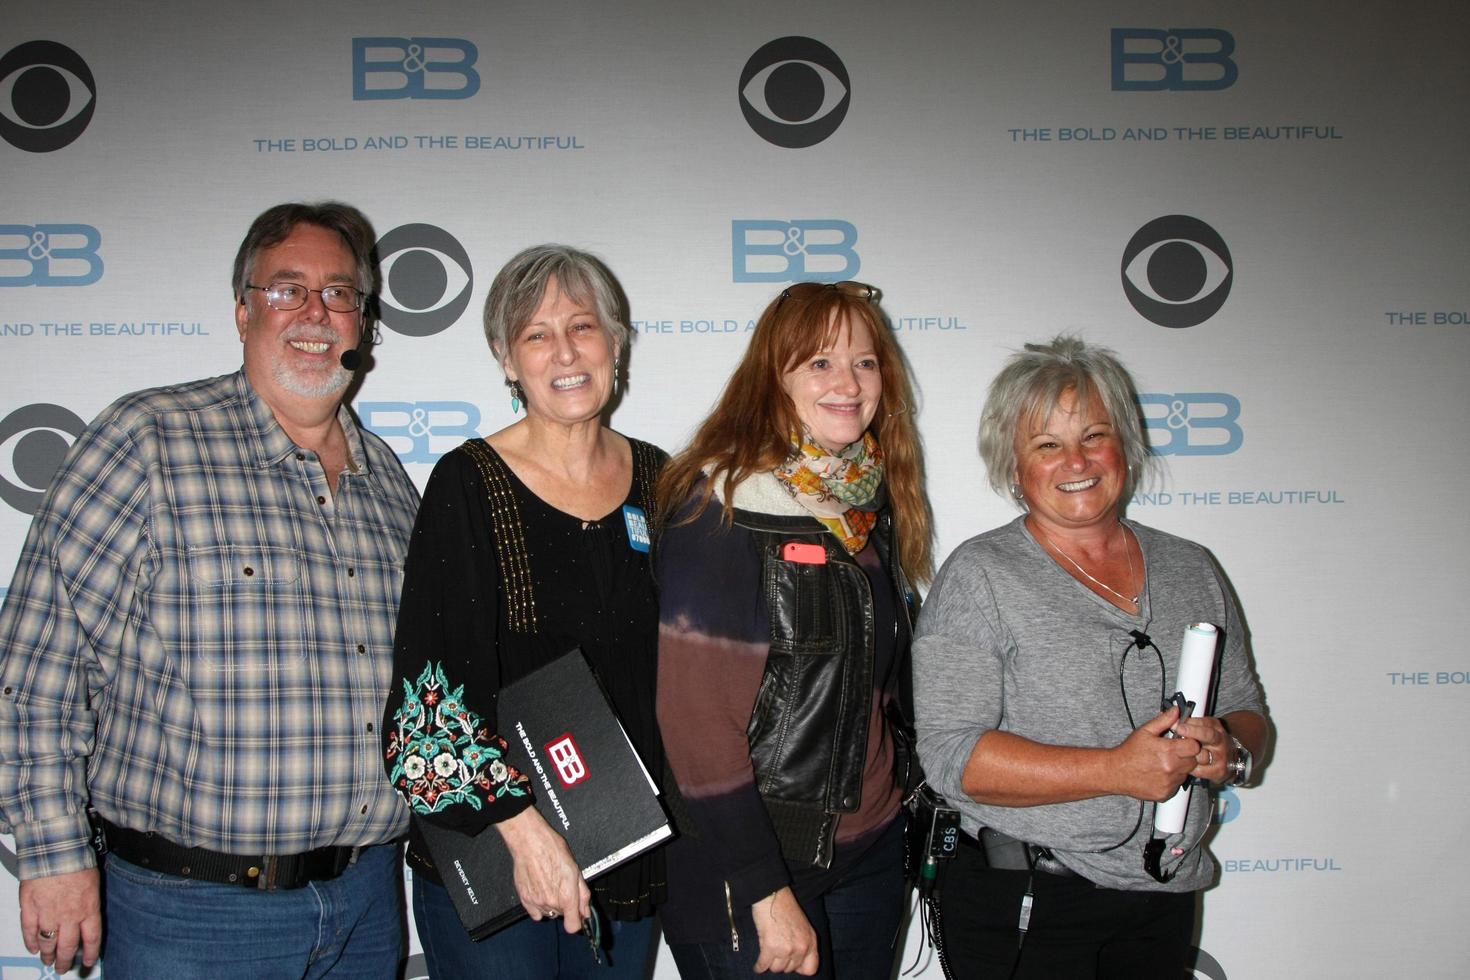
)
(197, 644)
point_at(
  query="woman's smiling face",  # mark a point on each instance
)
(563, 359)
(836, 390)
(1070, 465)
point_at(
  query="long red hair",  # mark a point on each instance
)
(750, 429)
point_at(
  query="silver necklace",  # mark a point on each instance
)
(1127, 551)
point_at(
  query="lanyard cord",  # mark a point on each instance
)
(1153, 851)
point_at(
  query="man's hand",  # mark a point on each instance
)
(61, 915)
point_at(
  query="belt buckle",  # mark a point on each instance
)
(268, 872)
(265, 874)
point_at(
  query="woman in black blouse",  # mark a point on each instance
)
(528, 543)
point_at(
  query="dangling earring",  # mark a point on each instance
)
(617, 378)
(517, 395)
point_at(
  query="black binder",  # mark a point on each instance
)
(588, 782)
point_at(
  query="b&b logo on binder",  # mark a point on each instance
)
(567, 758)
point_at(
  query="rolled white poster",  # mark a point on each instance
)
(1196, 671)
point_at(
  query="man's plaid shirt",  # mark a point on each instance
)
(199, 635)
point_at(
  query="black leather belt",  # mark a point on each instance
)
(266, 872)
(1005, 853)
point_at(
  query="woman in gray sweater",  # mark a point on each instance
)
(1040, 661)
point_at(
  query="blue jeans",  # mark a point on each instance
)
(527, 950)
(856, 922)
(160, 925)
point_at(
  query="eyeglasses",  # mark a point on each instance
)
(807, 290)
(287, 296)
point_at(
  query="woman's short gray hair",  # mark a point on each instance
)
(520, 286)
(1032, 382)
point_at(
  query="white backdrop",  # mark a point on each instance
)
(989, 167)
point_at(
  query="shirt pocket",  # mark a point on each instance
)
(247, 607)
(805, 611)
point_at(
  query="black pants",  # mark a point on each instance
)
(1077, 929)
(856, 919)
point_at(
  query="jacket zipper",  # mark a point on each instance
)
(730, 911)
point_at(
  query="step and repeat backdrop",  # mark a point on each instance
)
(1262, 207)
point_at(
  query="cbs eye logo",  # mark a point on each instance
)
(33, 442)
(1177, 271)
(7, 858)
(427, 280)
(47, 95)
(794, 92)
(1227, 806)
(1206, 967)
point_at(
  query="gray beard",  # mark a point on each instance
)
(331, 383)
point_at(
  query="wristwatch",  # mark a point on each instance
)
(1239, 767)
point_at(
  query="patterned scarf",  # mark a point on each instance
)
(843, 491)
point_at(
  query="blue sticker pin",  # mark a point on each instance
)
(637, 523)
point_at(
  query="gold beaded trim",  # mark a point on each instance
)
(510, 541)
(642, 896)
(646, 464)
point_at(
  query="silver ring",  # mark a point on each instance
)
(553, 914)
(47, 934)
(1209, 757)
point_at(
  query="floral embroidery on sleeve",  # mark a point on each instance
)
(441, 754)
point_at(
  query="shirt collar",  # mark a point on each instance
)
(272, 445)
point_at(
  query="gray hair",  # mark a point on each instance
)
(1033, 381)
(520, 286)
(275, 225)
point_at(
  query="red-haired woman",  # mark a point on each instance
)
(792, 526)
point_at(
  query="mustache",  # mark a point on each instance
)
(311, 333)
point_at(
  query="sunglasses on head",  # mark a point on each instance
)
(801, 291)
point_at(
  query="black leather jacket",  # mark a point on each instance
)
(808, 731)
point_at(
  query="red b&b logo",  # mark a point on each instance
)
(570, 765)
